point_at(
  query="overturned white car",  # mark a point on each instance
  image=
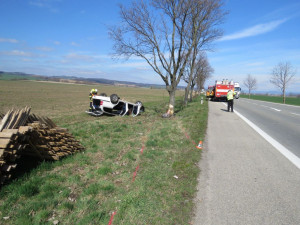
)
(113, 105)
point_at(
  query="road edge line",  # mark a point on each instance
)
(272, 102)
(283, 150)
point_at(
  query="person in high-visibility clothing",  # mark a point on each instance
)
(92, 93)
(207, 93)
(230, 95)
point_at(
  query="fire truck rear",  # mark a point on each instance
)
(221, 89)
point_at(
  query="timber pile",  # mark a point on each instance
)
(22, 133)
(50, 143)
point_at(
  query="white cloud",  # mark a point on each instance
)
(255, 64)
(137, 65)
(45, 49)
(9, 40)
(80, 57)
(27, 60)
(255, 30)
(48, 4)
(74, 44)
(17, 53)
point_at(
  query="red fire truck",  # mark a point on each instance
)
(221, 89)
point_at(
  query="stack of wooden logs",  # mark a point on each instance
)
(22, 133)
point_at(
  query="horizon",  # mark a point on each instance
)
(270, 92)
(63, 37)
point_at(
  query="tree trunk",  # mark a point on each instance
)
(170, 111)
(186, 94)
(187, 90)
(191, 93)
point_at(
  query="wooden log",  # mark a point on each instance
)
(11, 158)
(8, 133)
(19, 117)
(4, 143)
(61, 130)
(50, 122)
(8, 167)
(24, 129)
(56, 149)
(12, 119)
(25, 117)
(35, 150)
(5, 120)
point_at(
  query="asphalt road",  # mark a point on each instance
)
(281, 122)
(244, 179)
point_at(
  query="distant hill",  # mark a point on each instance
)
(72, 79)
(19, 76)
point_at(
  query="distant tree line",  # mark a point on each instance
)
(282, 75)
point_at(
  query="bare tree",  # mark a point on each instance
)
(164, 33)
(200, 74)
(204, 71)
(282, 75)
(250, 83)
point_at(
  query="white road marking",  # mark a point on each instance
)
(283, 150)
(296, 114)
(278, 110)
(264, 106)
(297, 106)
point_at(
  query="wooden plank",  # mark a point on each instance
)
(4, 143)
(24, 129)
(18, 118)
(8, 133)
(25, 117)
(6, 168)
(12, 119)
(5, 120)
(35, 150)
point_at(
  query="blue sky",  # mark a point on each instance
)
(69, 37)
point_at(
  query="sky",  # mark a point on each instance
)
(70, 37)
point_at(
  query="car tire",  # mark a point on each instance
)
(114, 98)
(142, 109)
(139, 103)
(103, 94)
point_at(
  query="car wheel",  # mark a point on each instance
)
(103, 94)
(114, 98)
(139, 103)
(142, 109)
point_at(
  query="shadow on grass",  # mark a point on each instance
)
(25, 164)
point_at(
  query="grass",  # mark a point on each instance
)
(66, 103)
(88, 187)
(9, 76)
(275, 99)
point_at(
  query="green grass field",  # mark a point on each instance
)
(9, 76)
(276, 99)
(88, 187)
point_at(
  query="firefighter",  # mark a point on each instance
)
(207, 93)
(230, 95)
(93, 92)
